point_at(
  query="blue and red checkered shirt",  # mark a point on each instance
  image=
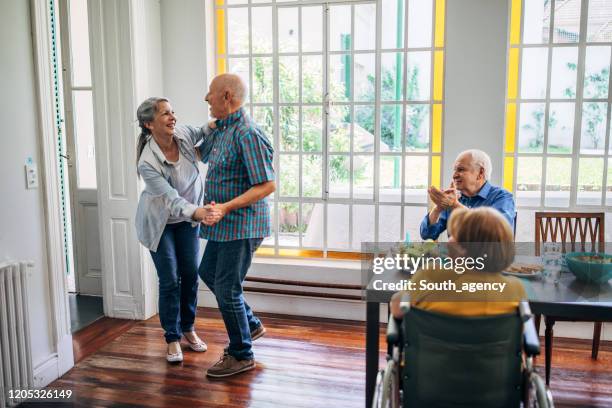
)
(239, 156)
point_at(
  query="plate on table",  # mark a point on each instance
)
(523, 270)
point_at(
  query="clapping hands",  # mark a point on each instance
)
(444, 199)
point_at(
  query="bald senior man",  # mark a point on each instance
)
(239, 178)
(470, 188)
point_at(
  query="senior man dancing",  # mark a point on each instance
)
(470, 188)
(240, 176)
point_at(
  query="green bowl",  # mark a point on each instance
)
(588, 271)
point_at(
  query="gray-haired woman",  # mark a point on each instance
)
(169, 215)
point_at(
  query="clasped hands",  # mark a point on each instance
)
(444, 199)
(210, 214)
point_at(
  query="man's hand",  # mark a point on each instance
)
(446, 199)
(214, 213)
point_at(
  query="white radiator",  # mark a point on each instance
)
(15, 353)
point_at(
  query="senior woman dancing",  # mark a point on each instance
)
(168, 217)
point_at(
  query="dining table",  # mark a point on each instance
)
(566, 297)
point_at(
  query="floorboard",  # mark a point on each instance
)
(300, 363)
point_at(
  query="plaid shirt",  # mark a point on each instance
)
(239, 156)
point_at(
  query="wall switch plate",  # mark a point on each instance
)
(31, 176)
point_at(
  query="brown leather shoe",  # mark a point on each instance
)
(228, 365)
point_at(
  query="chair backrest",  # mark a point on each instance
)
(570, 229)
(461, 361)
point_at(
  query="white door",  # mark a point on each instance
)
(80, 147)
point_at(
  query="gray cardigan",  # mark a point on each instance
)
(159, 199)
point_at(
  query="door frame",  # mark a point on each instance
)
(50, 182)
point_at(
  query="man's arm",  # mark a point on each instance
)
(432, 230)
(251, 196)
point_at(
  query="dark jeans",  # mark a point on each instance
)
(176, 261)
(224, 267)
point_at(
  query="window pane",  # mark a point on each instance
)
(416, 179)
(558, 181)
(340, 77)
(593, 131)
(289, 175)
(288, 77)
(531, 128)
(596, 72)
(340, 28)
(311, 225)
(418, 76)
(420, 19)
(392, 72)
(312, 127)
(363, 225)
(536, 21)
(85, 142)
(599, 21)
(590, 179)
(560, 127)
(389, 222)
(390, 185)
(533, 73)
(238, 30)
(261, 20)
(312, 78)
(262, 80)
(391, 128)
(363, 177)
(339, 176)
(391, 38)
(288, 231)
(312, 175)
(289, 128)
(237, 1)
(287, 29)
(312, 29)
(412, 228)
(365, 77)
(79, 44)
(264, 118)
(365, 26)
(567, 21)
(340, 129)
(609, 183)
(563, 75)
(528, 179)
(337, 226)
(417, 128)
(363, 139)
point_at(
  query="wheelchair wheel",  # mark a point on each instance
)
(539, 395)
(390, 386)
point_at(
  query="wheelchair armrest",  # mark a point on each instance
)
(393, 335)
(531, 339)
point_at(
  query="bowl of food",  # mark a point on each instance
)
(590, 266)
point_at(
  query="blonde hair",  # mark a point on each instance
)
(483, 231)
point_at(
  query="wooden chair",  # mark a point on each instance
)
(576, 231)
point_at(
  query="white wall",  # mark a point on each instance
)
(475, 81)
(21, 211)
(183, 31)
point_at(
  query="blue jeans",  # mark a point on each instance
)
(176, 261)
(224, 267)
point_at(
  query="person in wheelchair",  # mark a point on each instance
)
(464, 349)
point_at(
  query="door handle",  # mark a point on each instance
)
(67, 157)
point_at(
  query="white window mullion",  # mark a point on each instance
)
(377, 132)
(275, 115)
(578, 106)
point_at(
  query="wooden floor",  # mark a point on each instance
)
(300, 363)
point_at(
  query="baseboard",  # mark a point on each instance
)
(47, 371)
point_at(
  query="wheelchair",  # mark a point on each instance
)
(437, 360)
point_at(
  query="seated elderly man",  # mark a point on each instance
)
(470, 188)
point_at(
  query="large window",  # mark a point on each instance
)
(557, 150)
(351, 94)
